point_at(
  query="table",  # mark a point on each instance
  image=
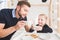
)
(40, 36)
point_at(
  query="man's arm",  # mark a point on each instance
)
(29, 29)
(6, 32)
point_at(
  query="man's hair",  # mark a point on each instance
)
(20, 3)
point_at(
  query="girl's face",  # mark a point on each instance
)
(41, 20)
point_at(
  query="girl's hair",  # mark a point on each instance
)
(43, 15)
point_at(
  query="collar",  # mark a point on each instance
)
(13, 13)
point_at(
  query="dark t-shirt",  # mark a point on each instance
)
(7, 18)
(46, 29)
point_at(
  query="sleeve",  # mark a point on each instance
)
(2, 19)
(50, 30)
(31, 30)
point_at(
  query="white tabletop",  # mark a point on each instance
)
(21, 35)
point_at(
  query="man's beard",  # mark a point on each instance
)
(19, 14)
(21, 18)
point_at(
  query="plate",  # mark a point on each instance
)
(26, 36)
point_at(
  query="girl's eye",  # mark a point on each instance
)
(41, 19)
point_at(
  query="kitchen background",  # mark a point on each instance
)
(49, 7)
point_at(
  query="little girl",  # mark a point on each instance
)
(42, 27)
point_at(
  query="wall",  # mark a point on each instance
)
(50, 8)
(58, 21)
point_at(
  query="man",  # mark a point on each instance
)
(13, 19)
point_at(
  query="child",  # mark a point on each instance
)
(42, 27)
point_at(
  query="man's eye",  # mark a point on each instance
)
(25, 10)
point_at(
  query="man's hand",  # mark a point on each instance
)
(20, 24)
